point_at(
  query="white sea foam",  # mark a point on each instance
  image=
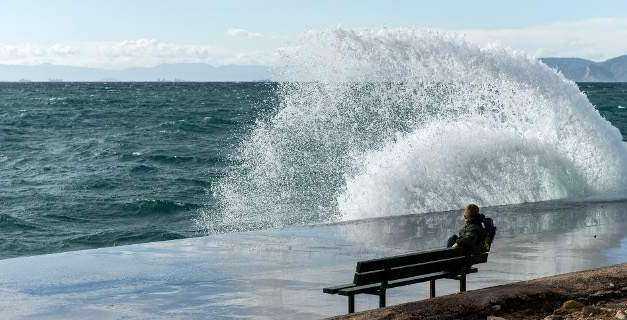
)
(395, 121)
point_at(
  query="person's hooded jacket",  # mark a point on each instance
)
(471, 237)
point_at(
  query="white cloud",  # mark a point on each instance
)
(28, 51)
(243, 33)
(124, 54)
(596, 39)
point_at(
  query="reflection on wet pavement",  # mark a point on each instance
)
(280, 274)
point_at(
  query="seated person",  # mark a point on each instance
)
(472, 237)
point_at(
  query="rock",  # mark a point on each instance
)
(572, 305)
(496, 307)
(599, 294)
(620, 314)
(568, 307)
(495, 318)
(590, 311)
(612, 285)
(554, 317)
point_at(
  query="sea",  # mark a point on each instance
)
(88, 165)
(372, 133)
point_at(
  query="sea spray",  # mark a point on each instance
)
(375, 123)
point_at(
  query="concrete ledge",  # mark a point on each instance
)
(542, 296)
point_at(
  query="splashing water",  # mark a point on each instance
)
(385, 122)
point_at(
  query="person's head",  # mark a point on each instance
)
(471, 212)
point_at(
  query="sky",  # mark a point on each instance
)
(119, 34)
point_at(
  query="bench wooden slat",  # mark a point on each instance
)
(373, 288)
(335, 289)
(406, 259)
(355, 289)
(418, 269)
(424, 278)
(408, 271)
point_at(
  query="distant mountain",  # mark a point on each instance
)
(164, 72)
(618, 66)
(582, 70)
(577, 69)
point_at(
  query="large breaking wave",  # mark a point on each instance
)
(386, 122)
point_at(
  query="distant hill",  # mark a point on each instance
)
(577, 69)
(582, 70)
(164, 72)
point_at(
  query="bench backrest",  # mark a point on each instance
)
(414, 264)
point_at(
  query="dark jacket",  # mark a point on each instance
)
(472, 237)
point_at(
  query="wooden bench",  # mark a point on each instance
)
(377, 275)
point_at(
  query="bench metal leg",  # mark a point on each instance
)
(462, 283)
(351, 304)
(382, 290)
(382, 299)
(432, 289)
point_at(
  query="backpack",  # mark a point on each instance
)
(490, 232)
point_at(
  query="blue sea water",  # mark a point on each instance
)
(87, 165)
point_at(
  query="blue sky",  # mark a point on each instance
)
(75, 32)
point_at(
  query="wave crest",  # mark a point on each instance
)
(383, 122)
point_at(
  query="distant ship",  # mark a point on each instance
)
(55, 80)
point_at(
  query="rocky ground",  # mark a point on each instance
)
(592, 294)
(573, 310)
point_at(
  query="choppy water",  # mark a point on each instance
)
(389, 122)
(86, 165)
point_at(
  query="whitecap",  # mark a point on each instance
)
(384, 122)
